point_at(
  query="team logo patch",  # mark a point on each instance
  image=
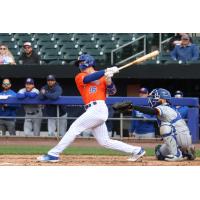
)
(93, 89)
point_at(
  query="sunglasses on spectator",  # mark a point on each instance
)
(3, 48)
(27, 47)
(6, 84)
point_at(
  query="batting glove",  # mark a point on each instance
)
(108, 74)
(114, 69)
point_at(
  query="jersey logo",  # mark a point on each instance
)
(93, 89)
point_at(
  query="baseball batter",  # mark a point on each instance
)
(93, 86)
(173, 129)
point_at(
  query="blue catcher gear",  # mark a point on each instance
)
(84, 61)
(158, 94)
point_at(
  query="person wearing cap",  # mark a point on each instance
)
(29, 56)
(33, 113)
(185, 51)
(183, 110)
(7, 110)
(52, 91)
(140, 128)
(176, 40)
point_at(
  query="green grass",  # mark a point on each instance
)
(32, 150)
(29, 150)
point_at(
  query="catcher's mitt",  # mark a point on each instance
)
(123, 106)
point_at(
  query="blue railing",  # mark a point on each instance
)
(192, 103)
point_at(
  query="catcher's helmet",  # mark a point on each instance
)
(84, 61)
(157, 94)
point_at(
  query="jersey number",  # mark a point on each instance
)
(93, 89)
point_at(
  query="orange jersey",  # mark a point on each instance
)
(95, 90)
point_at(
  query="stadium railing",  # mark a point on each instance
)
(192, 103)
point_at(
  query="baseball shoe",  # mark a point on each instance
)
(138, 156)
(48, 158)
(189, 152)
(173, 158)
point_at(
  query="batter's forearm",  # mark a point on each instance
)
(94, 76)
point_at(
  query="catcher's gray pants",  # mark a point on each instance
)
(32, 126)
(172, 142)
(7, 125)
(53, 125)
(94, 118)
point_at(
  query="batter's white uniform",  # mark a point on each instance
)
(94, 118)
(174, 130)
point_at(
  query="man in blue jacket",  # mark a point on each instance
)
(32, 122)
(142, 128)
(53, 91)
(186, 51)
(6, 110)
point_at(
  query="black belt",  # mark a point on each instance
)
(33, 113)
(90, 104)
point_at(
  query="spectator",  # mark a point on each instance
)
(186, 51)
(141, 128)
(29, 56)
(53, 91)
(6, 57)
(7, 110)
(31, 125)
(183, 110)
(176, 40)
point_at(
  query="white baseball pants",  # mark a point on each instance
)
(94, 118)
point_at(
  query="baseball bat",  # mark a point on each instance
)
(141, 59)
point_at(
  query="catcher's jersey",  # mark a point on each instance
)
(170, 116)
(95, 90)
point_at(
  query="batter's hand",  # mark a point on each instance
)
(108, 74)
(114, 69)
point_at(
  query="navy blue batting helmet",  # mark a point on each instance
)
(84, 61)
(157, 94)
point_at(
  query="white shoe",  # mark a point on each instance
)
(173, 158)
(137, 156)
(48, 158)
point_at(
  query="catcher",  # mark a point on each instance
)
(173, 129)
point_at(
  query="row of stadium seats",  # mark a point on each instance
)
(56, 48)
(66, 46)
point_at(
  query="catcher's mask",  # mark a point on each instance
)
(157, 94)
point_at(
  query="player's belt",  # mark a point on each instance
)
(90, 104)
(33, 113)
